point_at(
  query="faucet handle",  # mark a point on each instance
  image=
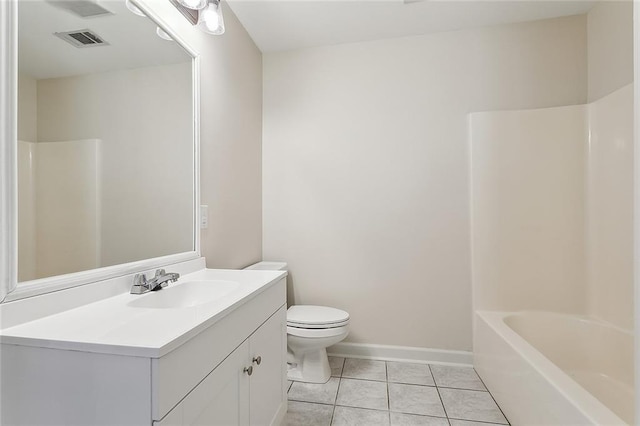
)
(139, 280)
(160, 272)
(140, 284)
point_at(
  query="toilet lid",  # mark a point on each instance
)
(309, 316)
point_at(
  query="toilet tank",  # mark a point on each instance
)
(268, 266)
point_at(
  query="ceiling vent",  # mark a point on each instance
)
(82, 38)
(82, 8)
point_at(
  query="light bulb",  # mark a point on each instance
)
(210, 20)
(194, 4)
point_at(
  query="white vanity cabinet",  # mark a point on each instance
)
(199, 376)
(247, 388)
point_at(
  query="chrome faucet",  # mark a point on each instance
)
(141, 285)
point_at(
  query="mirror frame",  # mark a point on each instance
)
(9, 288)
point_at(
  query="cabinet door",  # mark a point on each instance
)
(268, 382)
(221, 399)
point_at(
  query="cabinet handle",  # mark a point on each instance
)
(257, 359)
(248, 370)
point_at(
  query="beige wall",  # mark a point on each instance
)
(610, 41)
(27, 108)
(231, 137)
(68, 207)
(146, 170)
(366, 182)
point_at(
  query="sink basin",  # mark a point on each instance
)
(185, 295)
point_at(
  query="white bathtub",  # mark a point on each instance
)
(553, 369)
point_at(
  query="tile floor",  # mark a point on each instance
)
(379, 393)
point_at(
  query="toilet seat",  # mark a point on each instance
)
(316, 317)
(316, 333)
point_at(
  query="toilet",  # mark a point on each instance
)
(310, 331)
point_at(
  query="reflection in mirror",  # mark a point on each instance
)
(105, 139)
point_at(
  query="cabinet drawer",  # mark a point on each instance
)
(174, 375)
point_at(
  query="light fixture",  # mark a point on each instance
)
(193, 4)
(163, 34)
(210, 19)
(133, 8)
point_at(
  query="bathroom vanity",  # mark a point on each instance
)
(209, 349)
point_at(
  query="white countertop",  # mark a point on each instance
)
(111, 326)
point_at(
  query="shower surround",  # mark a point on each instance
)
(552, 195)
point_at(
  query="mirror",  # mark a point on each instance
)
(106, 139)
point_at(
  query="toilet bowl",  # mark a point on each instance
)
(310, 331)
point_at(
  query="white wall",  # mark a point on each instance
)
(552, 209)
(27, 135)
(366, 167)
(27, 242)
(528, 209)
(146, 211)
(610, 44)
(231, 138)
(610, 208)
(58, 208)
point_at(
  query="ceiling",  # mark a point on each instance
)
(132, 39)
(277, 25)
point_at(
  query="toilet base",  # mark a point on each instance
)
(310, 367)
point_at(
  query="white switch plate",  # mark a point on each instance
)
(204, 216)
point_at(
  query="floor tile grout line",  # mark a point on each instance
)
(479, 421)
(413, 384)
(386, 374)
(462, 389)
(440, 397)
(369, 409)
(360, 378)
(311, 402)
(491, 395)
(335, 400)
(414, 414)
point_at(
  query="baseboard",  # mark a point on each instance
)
(401, 353)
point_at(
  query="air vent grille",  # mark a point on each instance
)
(82, 38)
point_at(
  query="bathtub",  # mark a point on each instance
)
(546, 368)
